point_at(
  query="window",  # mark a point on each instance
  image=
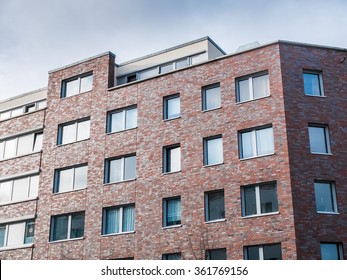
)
(172, 107)
(122, 119)
(214, 205)
(331, 251)
(22, 110)
(171, 211)
(263, 252)
(216, 254)
(21, 145)
(69, 226)
(17, 234)
(313, 83)
(70, 179)
(118, 219)
(211, 97)
(256, 142)
(19, 189)
(172, 159)
(319, 139)
(213, 150)
(171, 257)
(120, 169)
(77, 85)
(73, 132)
(253, 87)
(325, 197)
(259, 199)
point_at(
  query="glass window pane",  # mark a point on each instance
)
(174, 159)
(72, 88)
(25, 144)
(81, 174)
(311, 84)
(2, 236)
(252, 253)
(329, 251)
(173, 108)
(181, 63)
(166, 68)
(42, 104)
(5, 115)
(217, 254)
(65, 180)
(265, 141)
(250, 207)
(83, 129)
(6, 191)
(115, 172)
(60, 225)
(243, 91)
(247, 145)
(20, 189)
(324, 197)
(38, 142)
(10, 148)
(272, 252)
(2, 147)
(15, 234)
(148, 73)
(216, 208)
(29, 108)
(34, 186)
(318, 142)
(29, 232)
(173, 212)
(77, 225)
(111, 221)
(131, 118)
(117, 121)
(268, 198)
(261, 86)
(214, 151)
(68, 133)
(212, 98)
(17, 112)
(86, 83)
(172, 257)
(128, 218)
(129, 167)
(198, 58)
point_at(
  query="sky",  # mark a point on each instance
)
(37, 36)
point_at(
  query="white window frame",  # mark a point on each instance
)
(108, 171)
(57, 178)
(7, 227)
(326, 138)
(78, 78)
(75, 123)
(333, 197)
(123, 111)
(69, 225)
(250, 86)
(120, 222)
(320, 81)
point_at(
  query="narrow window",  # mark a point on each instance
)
(319, 139)
(213, 150)
(172, 107)
(325, 197)
(172, 159)
(214, 206)
(211, 97)
(171, 211)
(313, 83)
(252, 87)
(120, 169)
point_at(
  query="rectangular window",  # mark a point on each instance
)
(325, 193)
(171, 257)
(122, 119)
(313, 83)
(172, 107)
(216, 254)
(171, 211)
(17, 234)
(319, 139)
(73, 132)
(331, 251)
(259, 199)
(213, 150)
(77, 85)
(211, 97)
(172, 158)
(256, 142)
(22, 110)
(252, 87)
(120, 169)
(70, 179)
(69, 226)
(263, 252)
(19, 189)
(214, 205)
(118, 219)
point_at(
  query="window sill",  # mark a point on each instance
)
(120, 131)
(213, 109)
(119, 182)
(18, 201)
(214, 164)
(328, 213)
(57, 193)
(172, 172)
(320, 96)
(261, 215)
(325, 154)
(266, 155)
(215, 221)
(23, 246)
(174, 226)
(118, 233)
(175, 118)
(65, 240)
(24, 155)
(61, 145)
(246, 101)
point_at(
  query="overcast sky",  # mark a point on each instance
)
(40, 35)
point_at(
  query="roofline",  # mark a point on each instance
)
(309, 45)
(82, 61)
(172, 49)
(22, 95)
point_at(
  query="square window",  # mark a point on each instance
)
(211, 97)
(331, 251)
(122, 119)
(171, 257)
(216, 254)
(252, 87)
(213, 150)
(214, 205)
(73, 132)
(77, 85)
(69, 226)
(263, 252)
(171, 211)
(325, 197)
(172, 107)
(172, 158)
(319, 139)
(69, 179)
(313, 83)
(120, 169)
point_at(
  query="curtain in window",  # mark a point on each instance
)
(265, 141)
(247, 146)
(212, 98)
(173, 212)
(128, 218)
(112, 221)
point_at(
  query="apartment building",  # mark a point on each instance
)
(187, 153)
